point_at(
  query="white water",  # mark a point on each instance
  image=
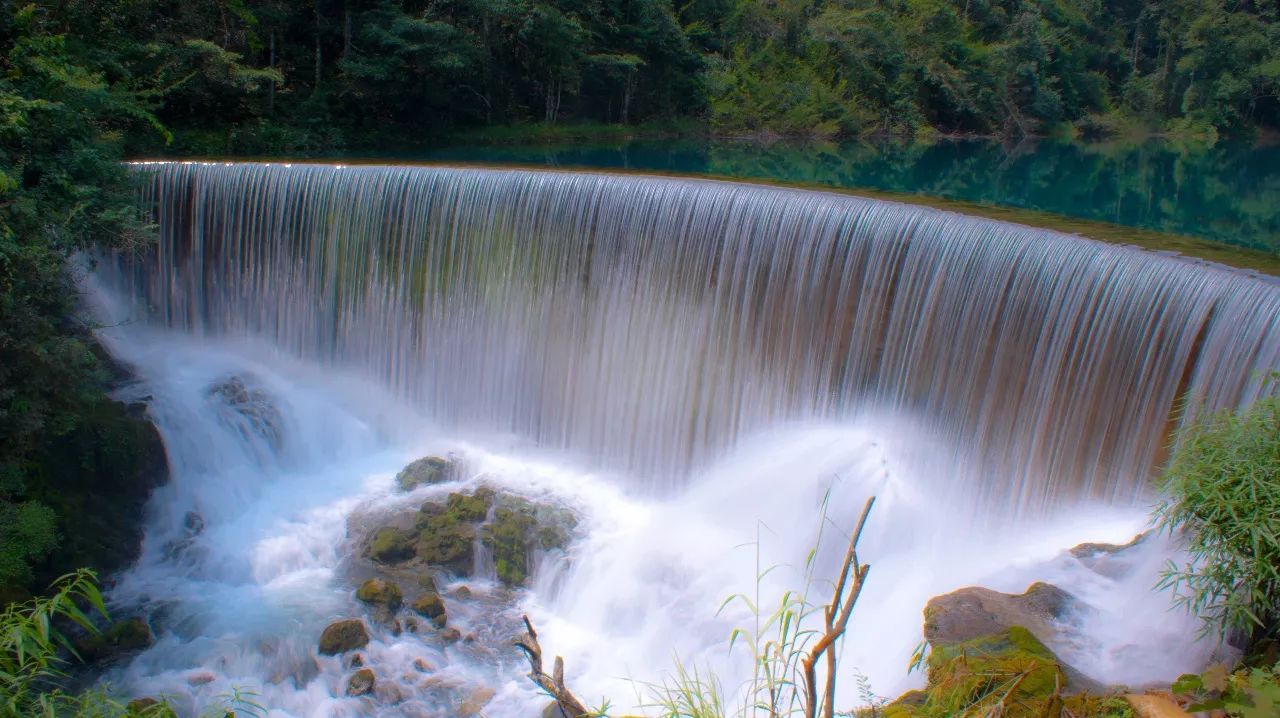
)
(243, 605)
(691, 366)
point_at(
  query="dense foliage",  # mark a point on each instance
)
(1223, 495)
(253, 76)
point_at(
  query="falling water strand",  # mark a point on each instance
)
(649, 323)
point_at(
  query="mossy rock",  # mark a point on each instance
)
(383, 594)
(1010, 673)
(448, 544)
(431, 606)
(426, 471)
(518, 529)
(391, 545)
(342, 636)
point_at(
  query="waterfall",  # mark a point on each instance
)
(648, 324)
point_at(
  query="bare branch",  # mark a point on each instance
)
(852, 577)
(553, 684)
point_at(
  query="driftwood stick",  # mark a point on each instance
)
(835, 615)
(552, 685)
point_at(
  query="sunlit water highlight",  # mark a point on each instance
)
(691, 366)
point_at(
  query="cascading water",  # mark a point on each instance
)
(693, 364)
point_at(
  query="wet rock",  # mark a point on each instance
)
(411, 625)
(461, 593)
(250, 409)
(960, 678)
(342, 636)
(193, 524)
(120, 638)
(1110, 560)
(975, 612)
(427, 471)
(380, 594)
(357, 661)
(475, 701)
(431, 606)
(447, 533)
(201, 678)
(518, 529)
(427, 582)
(451, 635)
(361, 682)
(391, 545)
(422, 666)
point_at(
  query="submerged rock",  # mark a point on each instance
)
(361, 682)
(427, 471)
(381, 594)
(254, 410)
(1107, 559)
(342, 636)
(475, 701)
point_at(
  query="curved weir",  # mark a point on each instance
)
(646, 324)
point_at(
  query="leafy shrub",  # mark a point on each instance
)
(1251, 693)
(1222, 494)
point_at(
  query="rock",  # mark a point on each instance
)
(976, 612)
(1155, 706)
(447, 542)
(431, 606)
(451, 635)
(201, 678)
(391, 545)
(518, 529)
(425, 472)
(342, 636)
(422, 666)
(411, 625)
(427, 582)
(473, 703)
(1108, 559)
(357, 661)
(361, 682)
(461, 593)
(193, 524)
(960, 677)
(138, 706)
(250, 409)
(127, 636)
(380, 593)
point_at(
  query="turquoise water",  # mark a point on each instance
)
(1229, 193)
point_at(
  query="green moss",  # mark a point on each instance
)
(431, 606)
(518, 529)
(425, 471)
(446, 542)
(380, 593)
(391, 545)
(1011, 673)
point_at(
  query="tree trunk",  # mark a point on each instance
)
(271, 63)
(346, 29)
(316, 87)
